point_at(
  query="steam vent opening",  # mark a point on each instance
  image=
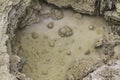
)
(59, 43)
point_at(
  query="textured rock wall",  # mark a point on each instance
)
(110, 9)
(4, 57)
(82, 6)
(13, 12)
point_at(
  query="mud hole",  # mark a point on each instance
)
(62, 45)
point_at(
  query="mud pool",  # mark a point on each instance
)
(48, 55)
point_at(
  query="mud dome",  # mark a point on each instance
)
(59, 40)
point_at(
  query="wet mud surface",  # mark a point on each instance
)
(61, 44)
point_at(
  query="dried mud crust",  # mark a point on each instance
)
(82, 68)
(110, 71)
(95, 71)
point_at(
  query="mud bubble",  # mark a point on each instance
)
(65, 31)
(50, 25)
(56, 14)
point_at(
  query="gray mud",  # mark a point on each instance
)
(51, 46)
(63, 40)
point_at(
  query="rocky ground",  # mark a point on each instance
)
(102, 61)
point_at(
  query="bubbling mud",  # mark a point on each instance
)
(61, 37)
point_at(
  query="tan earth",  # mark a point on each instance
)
(48, 55)
(59, 39)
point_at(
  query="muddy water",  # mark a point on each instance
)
(48, 55)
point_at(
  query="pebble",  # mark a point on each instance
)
(98, 43)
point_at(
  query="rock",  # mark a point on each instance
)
(79, 69)
(14, 61)
(16, 14)
(12, 13)
(114, 14)
(106, 5)
(98, 43)
(88, 77)
(108, 8)
(4, 68)
(65, 31)
(118, 7)
(82, 6)
(30, 15)
(109, 71)
(107, 43)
